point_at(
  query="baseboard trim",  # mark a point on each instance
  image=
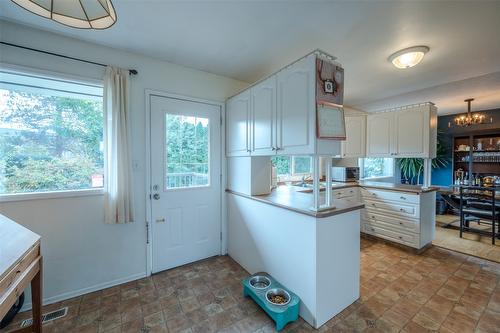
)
(79, 292)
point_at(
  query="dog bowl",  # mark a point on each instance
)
(278, 296)
(260, 282)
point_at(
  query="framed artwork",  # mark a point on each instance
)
(330, 121)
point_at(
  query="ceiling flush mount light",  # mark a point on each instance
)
(409, 57)
(83, 14)
(469, 118)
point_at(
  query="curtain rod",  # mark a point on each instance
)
(131, 71)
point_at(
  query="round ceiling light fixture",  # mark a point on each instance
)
(409, 57)
(83, 14)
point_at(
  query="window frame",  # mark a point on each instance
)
(292, 166)
(293, 176)
(361, 163)
(25, 70)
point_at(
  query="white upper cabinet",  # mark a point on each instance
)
(412, 133)
(296, 108)
(409, 132)
(278, 115)
(355, 143)
(379, 135)
(237, 125)
(263, 117)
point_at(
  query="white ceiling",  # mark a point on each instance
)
(247, 40)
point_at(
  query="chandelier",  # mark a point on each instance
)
(469, 118)
(88, 14)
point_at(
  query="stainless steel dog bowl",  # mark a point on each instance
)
(278, 292)
(260, 282)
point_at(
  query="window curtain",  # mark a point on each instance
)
(118, 194)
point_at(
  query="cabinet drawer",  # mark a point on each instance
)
(403, 224)
(345, 192)
(389, 195)
(398, 237)
(393, 208)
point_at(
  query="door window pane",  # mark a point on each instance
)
(187, 151)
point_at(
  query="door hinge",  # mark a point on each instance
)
(147, 232)
(221, 236)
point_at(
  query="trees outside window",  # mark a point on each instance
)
(50, 139)
(376, 167)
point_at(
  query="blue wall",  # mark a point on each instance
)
(444, 176)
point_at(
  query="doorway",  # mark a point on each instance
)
(185, 169)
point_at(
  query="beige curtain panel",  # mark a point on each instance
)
(118, 196)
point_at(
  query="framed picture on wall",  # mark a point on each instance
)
(330, 121)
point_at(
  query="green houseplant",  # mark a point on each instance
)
(412, 168)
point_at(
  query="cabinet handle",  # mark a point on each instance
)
(273, 148)
(400, 237)
(374, 194)
(373, 204)
(402, 210)
(400, 223)
(402, 198)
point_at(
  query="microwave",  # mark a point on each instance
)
(345, 174)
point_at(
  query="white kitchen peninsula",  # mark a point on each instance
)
(315, 254)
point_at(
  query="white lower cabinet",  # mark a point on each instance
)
(405, 218)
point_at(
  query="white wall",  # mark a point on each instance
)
(81, 253)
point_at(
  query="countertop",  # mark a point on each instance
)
(378, 185)
(295, 199)
(15, 242)
(397, 187)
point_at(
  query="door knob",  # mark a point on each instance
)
(156, 196)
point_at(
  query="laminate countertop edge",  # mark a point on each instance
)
(414, 189)
(347, 207)
(398, 187)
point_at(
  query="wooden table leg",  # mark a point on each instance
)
(36, 300)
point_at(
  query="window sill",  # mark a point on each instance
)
(50, 195)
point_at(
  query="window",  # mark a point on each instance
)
(292, 167)
(51, 134)
(187, 145)
(376, 167)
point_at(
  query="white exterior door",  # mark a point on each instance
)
(185, 181)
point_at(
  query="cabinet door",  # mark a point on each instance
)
(411, 134)
(296, 108)
(237, 133)
(379, 135)
(355, 143)
(263, 117)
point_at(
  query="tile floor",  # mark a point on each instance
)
(471, 243)
(438, 290)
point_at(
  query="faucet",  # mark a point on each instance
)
(303, 181)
